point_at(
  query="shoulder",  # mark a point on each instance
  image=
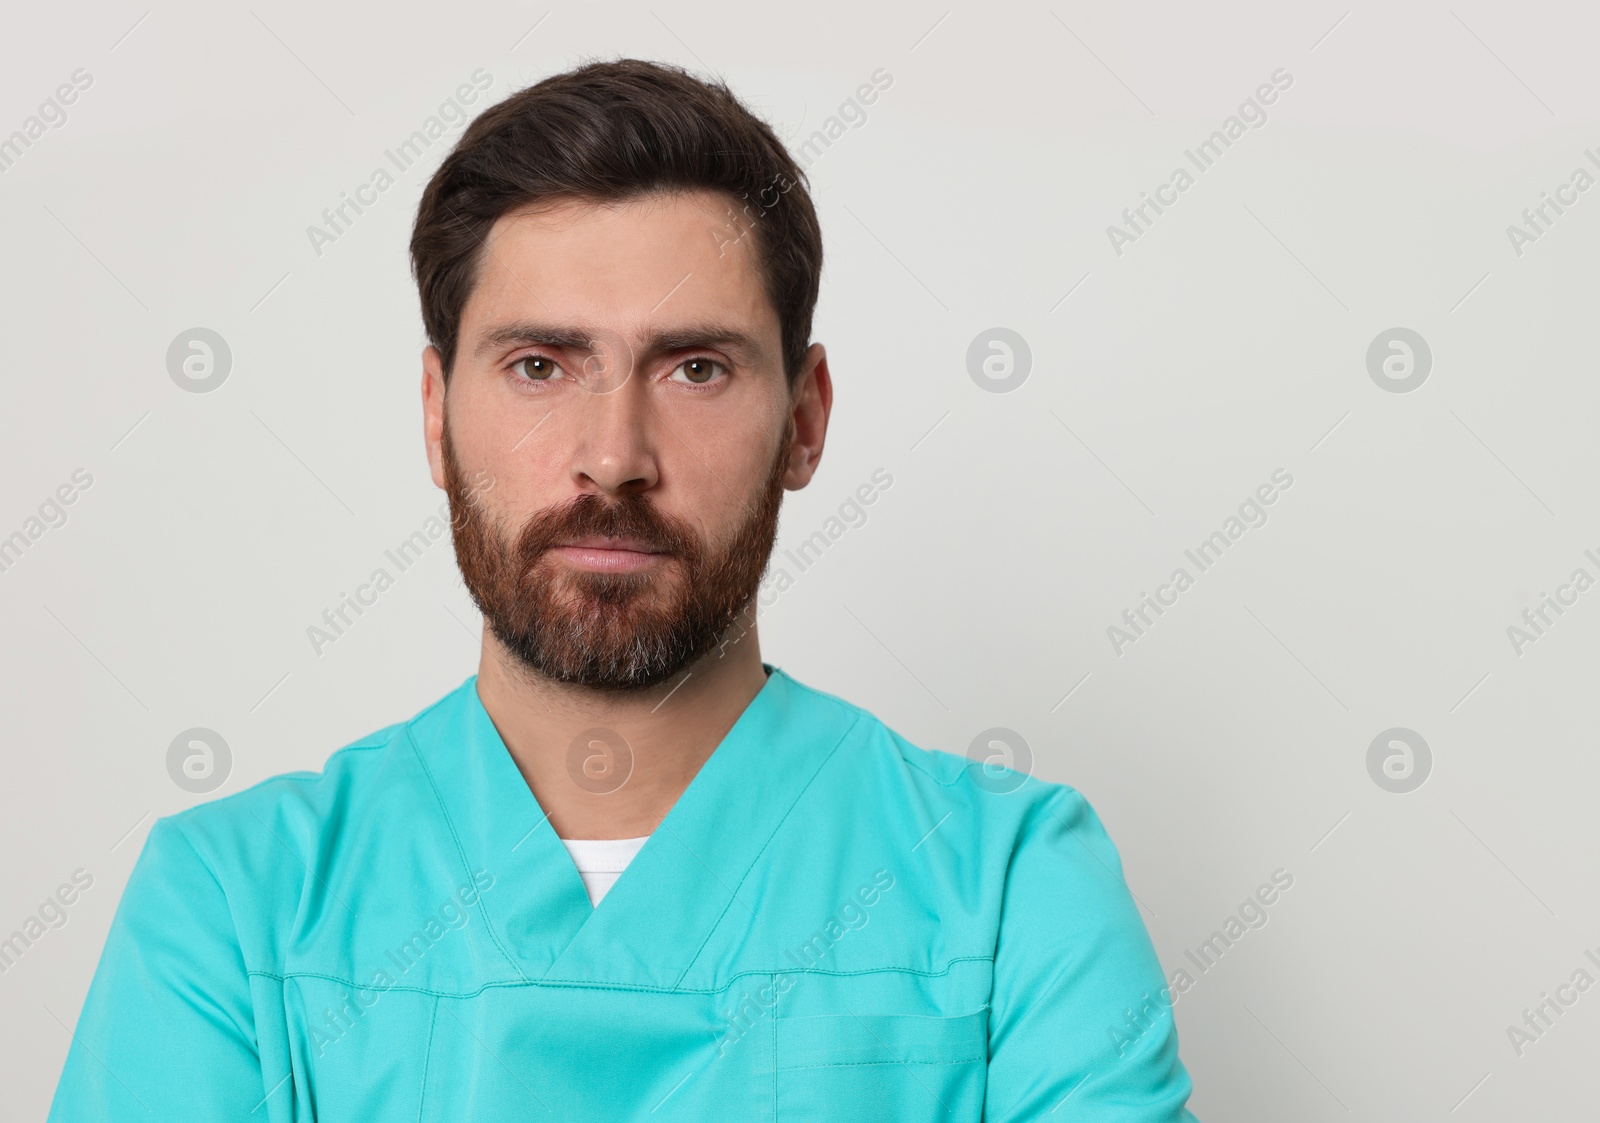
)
(1017, 857)
(1001, 825)
(281, 845)
(290, 804)
(1008, 799)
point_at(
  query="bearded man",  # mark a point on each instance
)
(628, 869)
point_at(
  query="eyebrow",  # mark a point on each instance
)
(744, 348)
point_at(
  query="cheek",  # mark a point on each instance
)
(723, 471)
(510, 466)
(724, 504)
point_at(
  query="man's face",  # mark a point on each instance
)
(616, 436)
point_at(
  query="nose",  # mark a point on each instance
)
(616, 449)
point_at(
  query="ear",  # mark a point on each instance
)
(433, 411)
(811, 402)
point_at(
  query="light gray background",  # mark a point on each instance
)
(1229, 741)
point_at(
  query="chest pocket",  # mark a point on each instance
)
(897, 1068)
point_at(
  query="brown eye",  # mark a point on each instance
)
(698, 372)
(536, 368)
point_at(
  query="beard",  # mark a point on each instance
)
(609, 631)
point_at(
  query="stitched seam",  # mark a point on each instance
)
(868, 1064)
(583, 984)
(461, 851)
(943, 783)
(774, 985)
(427, 1055)
(757, 858)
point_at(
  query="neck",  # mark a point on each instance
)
(670, 730)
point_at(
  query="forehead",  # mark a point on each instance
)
(649, 261)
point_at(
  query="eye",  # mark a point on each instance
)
(699, 371)
(537, 368)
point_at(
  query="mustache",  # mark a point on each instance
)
(589, 515)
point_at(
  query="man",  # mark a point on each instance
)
(628, 870)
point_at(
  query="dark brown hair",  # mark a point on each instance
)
(612, 131)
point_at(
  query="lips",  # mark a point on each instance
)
(600, 554)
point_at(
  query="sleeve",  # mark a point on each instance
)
(1080, 1021)
(166, 1031)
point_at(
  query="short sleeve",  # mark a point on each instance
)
(166, 1031)
(1080, 1025)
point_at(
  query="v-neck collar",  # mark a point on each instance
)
(650, 926)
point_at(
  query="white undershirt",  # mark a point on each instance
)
(600, 861)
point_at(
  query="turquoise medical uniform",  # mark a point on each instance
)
(831, 923)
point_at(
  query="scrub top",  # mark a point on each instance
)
(829, 923)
